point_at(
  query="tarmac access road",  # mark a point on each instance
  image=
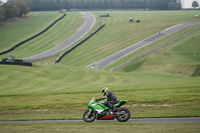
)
(109, 59)
(145, 120)
(83, 30)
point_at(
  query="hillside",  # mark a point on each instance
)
(16, 30)
(152, 88)
(181, 58)
(54, 36)
(120, 33)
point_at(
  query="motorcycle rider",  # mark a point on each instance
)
(111, 99)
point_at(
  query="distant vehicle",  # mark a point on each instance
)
(135, 20)
(105, 15)
(63, 10)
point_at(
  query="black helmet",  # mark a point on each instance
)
(104, 90)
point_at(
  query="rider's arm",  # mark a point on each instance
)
(101, 98)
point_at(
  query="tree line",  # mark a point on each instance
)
(49, 5)
(13, 9)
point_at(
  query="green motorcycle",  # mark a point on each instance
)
(99, 111)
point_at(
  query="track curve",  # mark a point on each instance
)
(115, 56)
(83, 30)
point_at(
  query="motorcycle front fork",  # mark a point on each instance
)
(90, 113)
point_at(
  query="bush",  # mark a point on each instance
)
(14, 9)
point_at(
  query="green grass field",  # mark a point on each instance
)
(54, 36)
(119, 33)
(180, 57)
(100, 127)
(18, 30)
(57, 91)
(160, 85)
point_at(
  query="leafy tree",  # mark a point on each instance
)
(13, 9)
(10, 10)
(195, 4)
(23, 8)
(174, 6)
(2, 12)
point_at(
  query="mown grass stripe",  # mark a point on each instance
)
(11, 32)
(25, 41)
(75, 46)
(69, 28)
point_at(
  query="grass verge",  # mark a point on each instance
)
(101, 127)
(57, 91)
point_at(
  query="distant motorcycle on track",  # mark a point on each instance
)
(98, 110)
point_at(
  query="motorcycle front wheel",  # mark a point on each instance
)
(124, 115)
(89, 116)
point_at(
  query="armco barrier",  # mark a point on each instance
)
(85, 39)
(19, 44)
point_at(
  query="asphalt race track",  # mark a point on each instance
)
(145, 120)
(83, 30)
(106, 61)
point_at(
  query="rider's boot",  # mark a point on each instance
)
(114, 109)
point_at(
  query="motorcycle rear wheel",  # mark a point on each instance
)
(88, 118)
(126, 115)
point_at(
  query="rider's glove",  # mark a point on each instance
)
(96, 100)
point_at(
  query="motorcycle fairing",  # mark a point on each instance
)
(107, 117)
(98, 107)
